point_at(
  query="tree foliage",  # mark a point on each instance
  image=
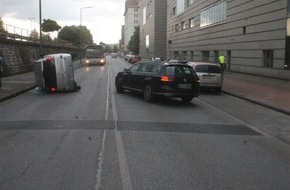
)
(77, 35)
(1, 25)
(134, 42)
(50, 26)
(107, 48)
(34, 35)
(115, 49)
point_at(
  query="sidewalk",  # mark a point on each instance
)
(268, 92)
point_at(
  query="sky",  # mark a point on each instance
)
(104, 19)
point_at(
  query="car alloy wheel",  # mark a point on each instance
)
(147, 93)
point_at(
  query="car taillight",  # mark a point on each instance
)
(166, 78)
(52, 90)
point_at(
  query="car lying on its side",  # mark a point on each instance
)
(210, 75)
(159, 79)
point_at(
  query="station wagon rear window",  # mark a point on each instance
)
(207, 69)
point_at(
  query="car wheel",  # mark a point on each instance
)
(147, 93)
(186, 99)
(119, 86)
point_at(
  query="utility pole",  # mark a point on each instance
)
(40, 27)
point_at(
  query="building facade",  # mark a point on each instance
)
(153, 22)
(131, 15)
(253, 35)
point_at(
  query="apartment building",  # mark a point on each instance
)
(131, 15)
(153, 22)
(253, 35)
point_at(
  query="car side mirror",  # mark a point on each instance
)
(125, 70)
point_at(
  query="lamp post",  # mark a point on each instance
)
(31, 22)
(81, 37)
(40, 27)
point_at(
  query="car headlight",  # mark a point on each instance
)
(87, 61)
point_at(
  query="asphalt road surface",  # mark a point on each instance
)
(97, 139)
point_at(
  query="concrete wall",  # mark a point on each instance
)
(155, 28)
(250, 28)
(19, 56)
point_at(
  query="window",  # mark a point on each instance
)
(149, 16)
(189, 2)
(179, 6)
(184, 55)
(192, 55)
(135, 67)
(136, 10)
(176, 28)
(205, 55)
(191, 22)
(135, 15)
(213, 15)
(183, 26)
(147, 41)
(147, 67)
(244, 30)
(216, 56)
(144, 15)
(268, 58)
(174, 11)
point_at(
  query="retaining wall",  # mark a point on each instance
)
(18, 56)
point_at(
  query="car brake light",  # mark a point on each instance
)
(166, 78)
(49, 59)
(52, 90)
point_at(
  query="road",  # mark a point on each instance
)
(97, 139)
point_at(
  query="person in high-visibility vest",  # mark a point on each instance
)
(222, 61)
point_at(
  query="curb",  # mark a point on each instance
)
(16, 94)
(257, 102)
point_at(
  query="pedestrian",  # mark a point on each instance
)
(222, 62)
(1, 70)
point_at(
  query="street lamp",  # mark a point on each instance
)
(40, 28)
(81, 13)
(31, 22)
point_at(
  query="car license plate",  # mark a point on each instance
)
(184, 86)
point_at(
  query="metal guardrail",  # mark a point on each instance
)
(19, 34)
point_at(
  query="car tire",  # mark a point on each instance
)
(147, 93)
(186, 99)
(119, 86)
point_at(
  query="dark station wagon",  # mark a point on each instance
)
(157, 79)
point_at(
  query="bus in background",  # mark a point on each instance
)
(95, 55)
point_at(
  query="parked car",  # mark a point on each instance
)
(127, 57)
(135, 59)
(210, 75)
(114, 55)
(158, 79)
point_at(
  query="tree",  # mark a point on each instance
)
(115, 49)
(134, 42)
(1, 25)
(3, 32)
(76, 35)
(107, 48)
(50, 26)
(34, 35)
